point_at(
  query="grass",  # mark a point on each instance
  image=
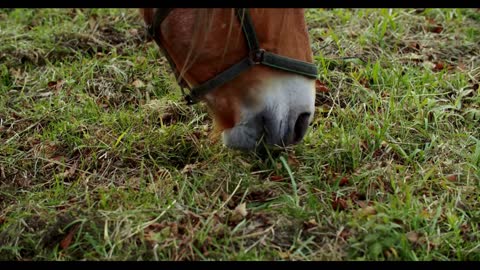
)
(99, 159)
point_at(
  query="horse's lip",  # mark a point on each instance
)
(241, 137)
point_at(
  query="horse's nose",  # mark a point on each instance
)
(300, 127)
(288, 130)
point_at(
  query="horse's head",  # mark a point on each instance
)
(274, 101)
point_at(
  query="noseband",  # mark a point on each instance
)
(256, 56)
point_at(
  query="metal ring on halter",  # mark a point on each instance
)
(257, 56)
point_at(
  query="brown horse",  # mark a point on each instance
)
(252, 67)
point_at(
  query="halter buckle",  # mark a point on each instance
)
(189, 100)
(257, 56)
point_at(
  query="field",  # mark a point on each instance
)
(100, 159)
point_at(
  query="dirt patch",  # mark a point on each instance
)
(20, 57)
(181, 236)
(56, 232)
(25, 249)
(68, 45)
(284, 230)
(108, 92)
(104, 40)
(168, 113)
(253, 196)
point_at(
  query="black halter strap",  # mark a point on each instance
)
(256, 56)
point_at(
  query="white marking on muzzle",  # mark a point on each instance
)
(283, 99)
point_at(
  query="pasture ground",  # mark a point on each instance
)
(100, 159)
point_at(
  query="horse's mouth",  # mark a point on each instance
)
(241, 137)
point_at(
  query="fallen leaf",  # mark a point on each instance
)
(59, 158)
(354, 196)
(239, 213)
(430, 20)
(429, 65)
(241, 209)
(461, 66)
(425, 213)
(452, 177)
(398, 221)
(284, 255)
(293, 161)
(368, 211)
(321, 87)
(466, 233)
(167, 118)
(343, 181)
(71, 171)
(437, 29)
(142, 60)
(412, 236)
(310, 224)
(465, 228)
(413, 57)
(363, 145)
(365, 82)
(415, 45)
(361, 203)
(138, 83)
(339, 204)
(55, 85)
(51, 84)
(45, 94)
(133, 32)
(260, 195)
(188, 169)
(149, 237)
(345, 234)
(65, 243)
(411, 47)
(156, 227)
(165, 232)
(438, 66)
(276, 178)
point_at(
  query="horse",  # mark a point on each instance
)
(252, 67)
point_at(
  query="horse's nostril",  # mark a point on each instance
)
(301, 126)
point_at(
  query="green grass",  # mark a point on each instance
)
(99, 159)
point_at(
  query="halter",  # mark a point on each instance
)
(256, 56)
